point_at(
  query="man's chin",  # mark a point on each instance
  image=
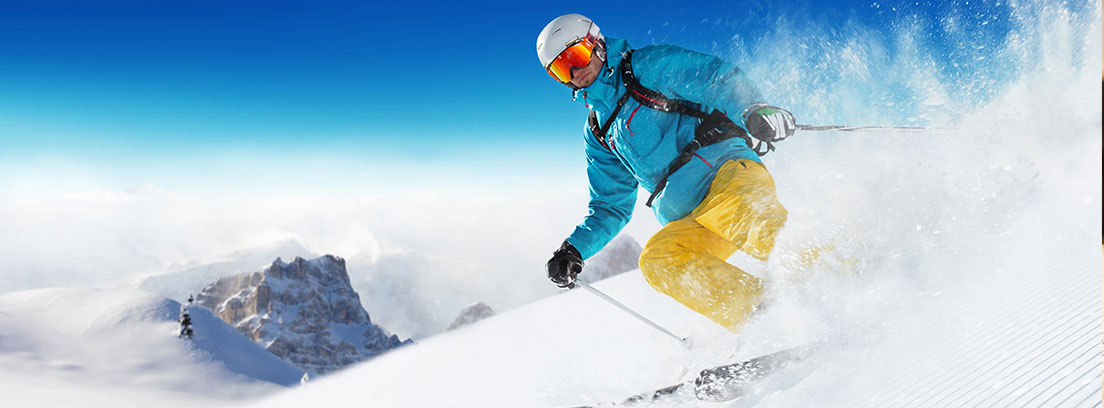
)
(585, 86)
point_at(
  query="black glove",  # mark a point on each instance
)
(769, 123)
(565, 264)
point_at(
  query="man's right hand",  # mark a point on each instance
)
(566, 263)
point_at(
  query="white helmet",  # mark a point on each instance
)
(561, 33)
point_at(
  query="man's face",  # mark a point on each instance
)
(582, 77)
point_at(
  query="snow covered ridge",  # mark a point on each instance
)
(619, 256)
(305, 312)
(119, 347)
(179, 282)
(471, 314)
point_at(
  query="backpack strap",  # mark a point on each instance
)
(717, 126)
(600, 132)
(653, 99)
(714, 128)
(592, 123)
(645, 96)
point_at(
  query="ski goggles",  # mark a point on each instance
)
(575, 56)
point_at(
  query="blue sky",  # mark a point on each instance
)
(128, 85)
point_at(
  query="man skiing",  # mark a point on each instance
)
(673, 121)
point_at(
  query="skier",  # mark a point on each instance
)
(673, 121)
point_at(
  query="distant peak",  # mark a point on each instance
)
(325, 268)
(471, 314)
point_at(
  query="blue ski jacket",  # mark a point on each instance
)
(643, 141)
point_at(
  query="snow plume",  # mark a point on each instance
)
(897, 234)
(911, 64)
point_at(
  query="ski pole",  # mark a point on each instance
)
(861, 128)
(685, 341)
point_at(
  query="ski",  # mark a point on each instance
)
(732, 381)
(723, 383)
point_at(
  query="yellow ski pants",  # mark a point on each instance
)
(686, 259)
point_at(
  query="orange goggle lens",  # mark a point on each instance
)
(575, 56)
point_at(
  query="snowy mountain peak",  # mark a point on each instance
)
(471, 314)
(304, 311)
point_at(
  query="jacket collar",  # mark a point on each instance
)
(602, 95)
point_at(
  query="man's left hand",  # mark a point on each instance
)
(769, 123)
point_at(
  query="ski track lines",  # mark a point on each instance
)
(1034, 353)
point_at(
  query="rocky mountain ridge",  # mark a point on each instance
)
(304, 311)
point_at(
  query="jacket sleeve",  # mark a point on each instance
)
(612, 199)
(697, 77)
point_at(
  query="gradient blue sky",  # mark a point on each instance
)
(111, 83)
